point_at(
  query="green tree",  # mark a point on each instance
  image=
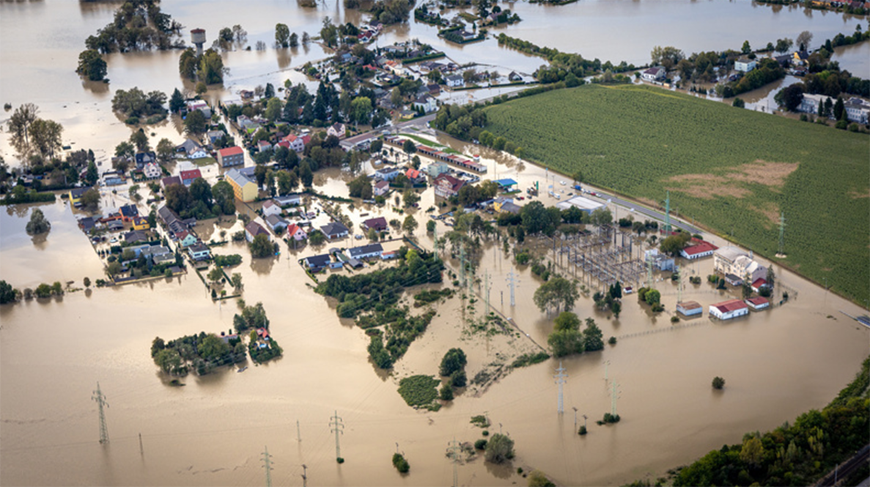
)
(430, 227)
(187, 64)
(262, 247)
(92, 174)
(45, 137)
(90, 199)
(454, 360)
(396, 98)
(718, 382)
(140, 140)
(86, 282)
(215, 275)
(538, 479)
(19, 128)
(839, 109)
(37, 224)
(410, 197)
(410, 224)
(7, 294)
(195, 123)
(673, 244)
(558, 293)
(316, 237)
(783, 45)
(400, 463)
(236, 280)
(499, 449)
(565, 342)
(745, 49)
(593, 339)
(446, 392)
(273, 109)
(165, 150)
(408, 147)
(212, 347)
(282, 35)
(360, 187)
(294, 40)
(92, 65)
(652, 297)
(211, 68)
(361, 108)
(752, 451)
(176, 101)
(566, 321)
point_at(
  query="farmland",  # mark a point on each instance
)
(732, 170)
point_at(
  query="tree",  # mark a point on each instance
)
(215, 275)
(410, 224)
(791, 97)
(718, 382)
(90, 199)
(396, 98)
(783, 45)
(19, 127)
(176, 101)
(361, 108)
(652, 297)
(753, 451)
(558, 293)
(454, 360)
(538, 479)
(803, 40)
(410, 197)
(45, 137)
(92, 174)
(86, 282)
(430, 226)
(7, 294)
(447, 392)
(839, 109)
(140, 140)
(566, 321)
(213, 348)
(195, 123)
(165, 150)
(187, 64)
(499, 449)
(262, 247)
(360, 187)
(667, 56)
(316, 237)
(536, 219)
(593, 338)
(408, 147)
(673, 244)
(294, 40)
(37, 224)
(211, 68)
(236, 280)
(273, 109)
(400, 463)
(92, 65)
(745, 49)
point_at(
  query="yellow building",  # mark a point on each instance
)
(140, 223)
(75, 196)
(243, 187)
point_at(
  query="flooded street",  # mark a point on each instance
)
(213, 430)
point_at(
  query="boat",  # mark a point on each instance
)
(243, 369)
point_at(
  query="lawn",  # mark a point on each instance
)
(733, 170)
(429, 143)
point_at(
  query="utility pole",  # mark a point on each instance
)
(101, 401)
(512, 282)
(584, 420)
(606, 363)
(560, 379)
(486, 308)
(613, 397)
(338, 427)
(462, 265)
(141, 449)
(298, 432)
(267, 464)
(781, 234)
(454, 454)
(668, 214)
(304, 475)
(575, 418)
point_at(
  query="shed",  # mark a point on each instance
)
(727, 310)
(690, 308)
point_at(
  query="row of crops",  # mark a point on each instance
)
(634, 139)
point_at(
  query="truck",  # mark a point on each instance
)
(578, 187)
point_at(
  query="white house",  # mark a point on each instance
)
(381, 188)
(336, 129)
(689, 308)
(729, 309)
(276, 223)
(386, 174)
(744, 65)
(699, 250)
(198, 251)
(271, 208)
(366, 251)
(454, 81)
(252, 229)
(427, 103)
(296, 232)
(735, 262)
(654, 74)
(857, 110)
(758, 303)
(152, 171)
(288, 200)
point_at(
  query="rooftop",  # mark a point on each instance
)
(730, 305)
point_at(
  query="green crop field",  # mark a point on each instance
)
(733, 170)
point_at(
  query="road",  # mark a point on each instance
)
(646, 211)
(845, 469)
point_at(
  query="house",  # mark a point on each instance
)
(436, 169)
(152, 171)
(143, 158)
(271, 208)
(140, 223)
(135, 236)
(75, 196)
(244, 188)
(317, 261)
(128, 212)
(191, 149)
(334, 230)
(729, 309)
(186, 238)
(758, 303)
(173, 223)
(699, 250)
(784, 60)
(447, 186)
(739, 264)
(800, 58)
(415, 176)
(434, 89)
(389, 255)
(188, 177)
(857, 110)
(276, 223)
(426, 103)
(264, 145)
(733, 280)
(381, 188)
(454, 81)
(296, 142)
(386, 173)
(511, 207)
(113, 178)
(153, 251)
(358, 142)
(366, 251)
(654, 74)
(689, 308)
(215, 135)
(498, 202)
(514, 77)
(288, 200)
(199, 251)
(200, 105)
(296, 232)
(758, 284)
(744, 65)
(337, 129)
(379, 224)
(252, 229)
(87, 224)
(231, 156)
(169, 181)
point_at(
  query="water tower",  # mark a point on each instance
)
(197, 37)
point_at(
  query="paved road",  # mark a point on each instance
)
(646, 211)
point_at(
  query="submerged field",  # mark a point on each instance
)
(732, 170)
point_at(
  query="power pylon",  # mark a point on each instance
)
(338, 427)
(782, 233)
(101, 401)
(462, 265)
(613, 396)
(454, 450)
(267, 464)
(304, 475)
(560, 379)
(512, 282)
(668, 214)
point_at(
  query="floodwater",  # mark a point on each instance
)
(213, 430)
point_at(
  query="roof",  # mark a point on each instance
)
(264, 143)
(505, 182)
(318, 260)
(365, 249)
(378, 223)
(412, 173)
(759, 282)
(269, 204)
(510, 207)
(688, 305)
(231, 151)
(135, 236)
(700, 248)
(129, 210)
(166, 182)
(255, 229)
(582, 203)
(455, 183)
(198, 247)
(730, 253)
(758, 301)
(293, 228)
(237, 177)
(78, 192)
(382, 184)
(730, 305)
(334, 228)
(192, 174)
(275, 220)
(653, 71)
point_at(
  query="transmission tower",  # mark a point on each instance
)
(782, 233)
(462, 265)
(512, 282)
(613, 396)
(668, 214)
(304, 475)
(679, 286)
(435, 237)
(267, 464)
(338, 427)
(560, 379)
(100, 398)
(453, 450)
(486, 287)
(649, 278)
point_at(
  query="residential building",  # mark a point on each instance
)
(447, 186)
(128, 212)
(135, 236)
(654, 74)
(87, 224)
(358, 142)
(454, 81)
(191, 149)
(140, 223)
(758, 284)
(498, 202)
(690, 308)
(426, 102)
(188, 177)
(252, 229)
(381, 188)
(200, 105)
(276, 223)
(75, 196)
(366, 251)
(699, 250)
(379, 224)
(113, 178)
(186, 238)
(151, 251)
(857, 110)
(169, 181)
(199, 251)
(335, 230)
(143, 158)
(151, 170)
(264, 145)
(510, 207)
(296, 142)
(231, 156)
(514, 77)
(244, 188)
(386, 173)
(415, 176)
(727, 310)
(434, 89)
(389, 255)
(317, 261)
(215, 135)
(758, 303)
(337, 129)
(436, 169)
(800, 58)
(296, 232)
(737, 265)
(288, 200)
(744, 65)
(271, 208)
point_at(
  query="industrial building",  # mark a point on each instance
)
(727, 310)
(584, 204)
(690, 308)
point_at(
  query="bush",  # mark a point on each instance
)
(453, 361)
(458, 379)
(718, 382)
(611, 418)
(499, 449)
(582, 431)
(418, 390)
(447, 392)
(538, 479)
(480, 444)
(400, 463)
(612, 341)
(675, 319)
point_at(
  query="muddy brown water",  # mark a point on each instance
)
(213, 430)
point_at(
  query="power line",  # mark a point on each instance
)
(101, 401)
